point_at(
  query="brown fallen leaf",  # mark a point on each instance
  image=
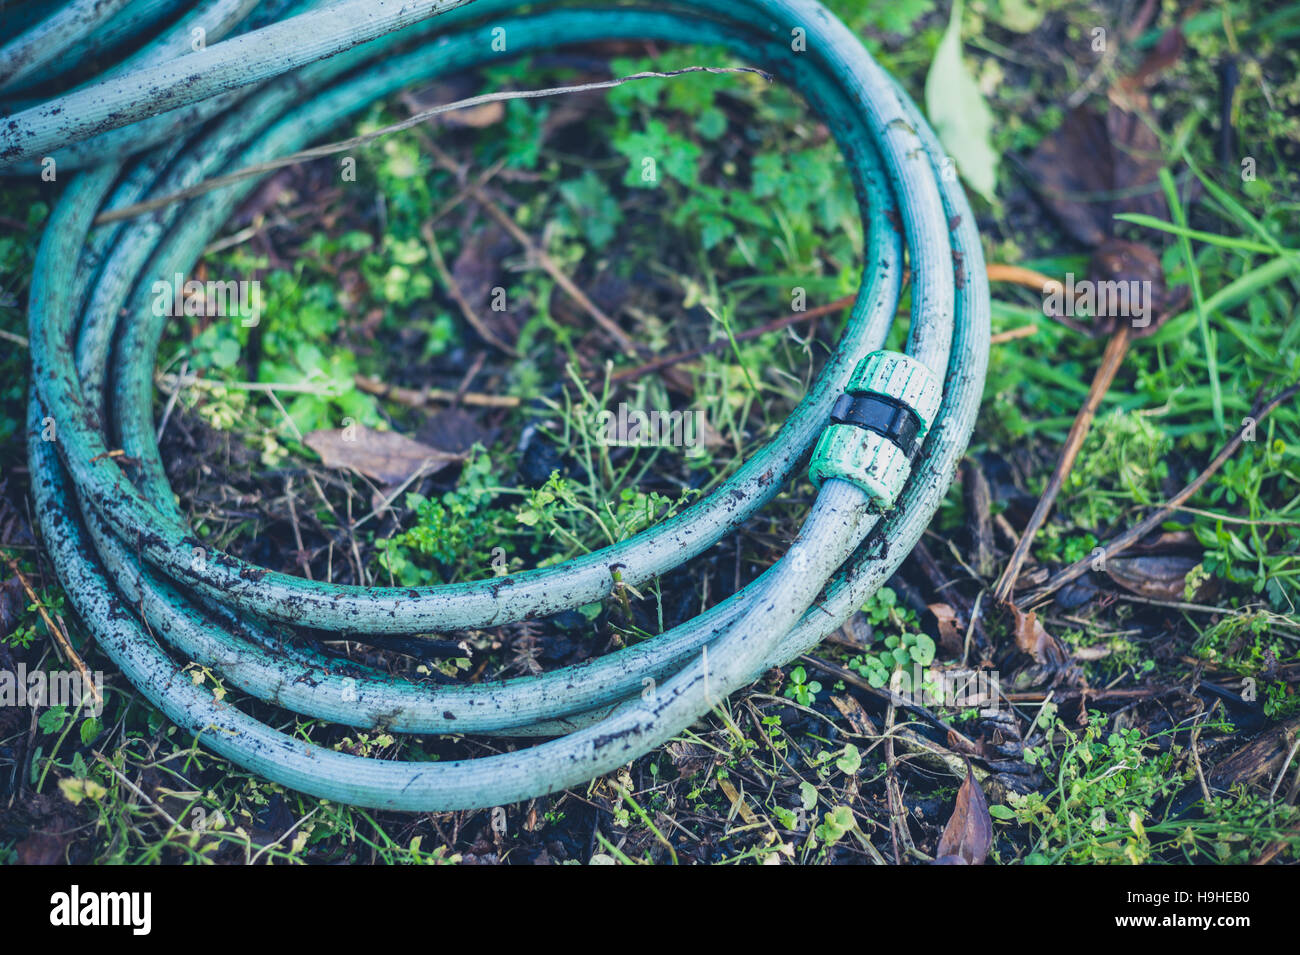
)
(1033, 639)
(1117, 260)
(856, 633)
(737, 801)
(689, 758)
(967, 838)
(1135, 158)
(1164, 542)
(42, 848)
(1169, 49)
(385, 456)
(1101, 162)
(1071, 170)
(1155, 576)
(951, 635)
(479, 271)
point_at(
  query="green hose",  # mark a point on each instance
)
(137, 573)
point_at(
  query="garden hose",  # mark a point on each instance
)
(884, 430)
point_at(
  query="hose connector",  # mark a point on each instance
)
(878, 426)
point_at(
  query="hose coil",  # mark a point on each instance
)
(153, 594)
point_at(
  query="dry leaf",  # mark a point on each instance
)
(1155, 576)
(734, 797)
(42, 848)
(689, 758)
(1032, 639)
(1094, 166)
(479, 270)
(385, 456)
(967, 838)
(951, 635)
(1116, 260)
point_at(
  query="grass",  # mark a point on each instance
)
(749, 204)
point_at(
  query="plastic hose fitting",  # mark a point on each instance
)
(878, 426)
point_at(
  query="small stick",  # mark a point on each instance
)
(1281, 773)
(538, 254)
(297, 531)
(1110, 362)
(1122, 542)
(331, 149)
(1011, 334)
(416, 398)
(56, 631)
(1019, 275)
(453, 287)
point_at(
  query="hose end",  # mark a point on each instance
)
(877, 426)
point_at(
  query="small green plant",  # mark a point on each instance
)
(1123, 461)
(1111, 797)
(1246, 643)
(453, 536)
(801, 689)
(21, 638)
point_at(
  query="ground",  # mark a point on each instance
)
(1147, 709)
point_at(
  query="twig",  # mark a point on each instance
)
(1085, 693)
(419, 398)
(1272, 851)
(56, 631)
(1196, 761)
(297, 531)
(138, 791)
(885, 694)
(1281, 773)
(1011, 334)
(331, 149)
(891, 786)
(470, 375)
(170, 383)
(538, 254)
(722, 344)
(453, 287)
(1110, 362)
(1019, 275)
(171, 403)
(1122, 542)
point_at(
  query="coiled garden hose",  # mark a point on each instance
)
(885, 430)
